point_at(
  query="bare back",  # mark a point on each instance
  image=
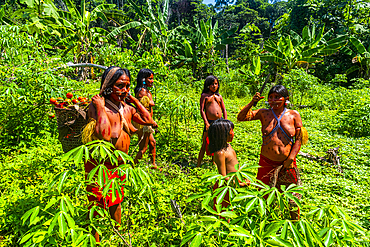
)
(226, 160)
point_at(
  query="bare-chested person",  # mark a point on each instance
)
(113, 124)
(220, 133)
(145, 79)
(212, 107)
(281, 134)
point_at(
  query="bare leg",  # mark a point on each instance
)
(115, 213)
(152, 150)
(143, 145)
(96, 235)
(202, 150)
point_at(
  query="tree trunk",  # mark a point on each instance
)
(227, 58)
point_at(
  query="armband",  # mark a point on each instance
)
(303, 135)
(249, 115)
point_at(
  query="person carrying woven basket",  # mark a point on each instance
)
(110, 120)
(281, 139)
(145, 133)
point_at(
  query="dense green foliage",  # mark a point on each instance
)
(318, 49)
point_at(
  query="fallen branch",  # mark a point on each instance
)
(332, 157)
(81, 65)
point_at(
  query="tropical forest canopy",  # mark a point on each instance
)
(318, 49)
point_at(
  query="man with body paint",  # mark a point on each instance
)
(279, 126)
(113, 124)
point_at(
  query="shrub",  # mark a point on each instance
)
(354, 118)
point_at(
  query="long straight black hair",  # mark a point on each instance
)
(141, 76)
(218, 133)
(209, 80)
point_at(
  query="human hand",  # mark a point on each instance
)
(207, 126)
(288, 163)
(154, 125)
(98, 101)
(130, 98)
(257, 97)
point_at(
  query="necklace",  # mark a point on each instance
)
(119, 109)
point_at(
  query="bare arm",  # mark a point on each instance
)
(223, 108)
(288, 163)
(243, 114)
(202, 112)
(97, 111)
(141, 115)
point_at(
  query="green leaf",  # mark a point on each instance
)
(196, 241)
(62, 224)
(221, 196)
(63, 177)
(26, 237)
(228, 214)
(71, 222)
(34, 214)
(272, 229)
(52, 224)
(329, 238)
(250, 205)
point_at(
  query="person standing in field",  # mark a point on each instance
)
(145, 79)
(111, 118)
(281, 137)
(212, 107)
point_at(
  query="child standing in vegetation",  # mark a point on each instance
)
(220, 133)
(279, 126)
(145, 133)
(212, 107)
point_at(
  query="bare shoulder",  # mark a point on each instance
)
(219, 154)
(262, 113)
(294, 113)
(296, 117)
(142, 92)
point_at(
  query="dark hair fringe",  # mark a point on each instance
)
(209, 80)
(143, 73)
(279, 89)
(114, 78)
(218, 133)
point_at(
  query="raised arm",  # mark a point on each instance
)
(202, 112)
(288, 163)
(246, 114)
(97, 111)
(223, 108)
(141, 115)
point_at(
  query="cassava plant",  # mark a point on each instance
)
(259, 216)
(61, 220)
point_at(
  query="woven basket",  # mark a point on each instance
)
(71, 122)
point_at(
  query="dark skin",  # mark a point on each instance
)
(108, 124)
(225, 161)
(212, 107)
(278, 149)
(147, 138)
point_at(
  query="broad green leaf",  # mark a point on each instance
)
(62, 224)
(196, 241)
(250, 205)
(329, 238)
